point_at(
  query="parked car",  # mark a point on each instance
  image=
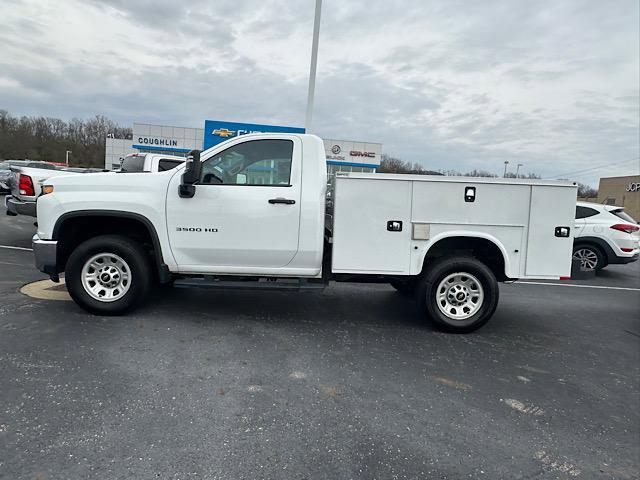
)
(604, 234)
(6, 174)
(250, 213)
(25, 183)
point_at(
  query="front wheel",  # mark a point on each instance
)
(108, 275)
(458, 294)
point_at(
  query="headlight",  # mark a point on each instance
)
(47, 189)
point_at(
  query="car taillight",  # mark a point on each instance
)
(25, 185)
(625, 227)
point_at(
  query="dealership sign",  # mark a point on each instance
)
(216, 131)
(159, 142)
(149, 142)
(346, 152)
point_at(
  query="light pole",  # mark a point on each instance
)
(518, 169)
(504, 175)
(66, 156)
(312, 69)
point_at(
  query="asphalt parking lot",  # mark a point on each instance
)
(347, 383)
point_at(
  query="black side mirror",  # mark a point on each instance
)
(191, 175)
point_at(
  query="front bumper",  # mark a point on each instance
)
(46, 255)
(18, 207)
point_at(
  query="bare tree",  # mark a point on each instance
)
(586, 191)
(389, 164)
(45, 138)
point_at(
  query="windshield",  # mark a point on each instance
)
(132, 163)
(620, 213)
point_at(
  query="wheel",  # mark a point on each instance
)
(108, 275)
(458, 294)
(404, 287)
(591, 257)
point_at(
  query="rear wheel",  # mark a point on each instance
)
(590, 257)
(458, 294)
(108, 275)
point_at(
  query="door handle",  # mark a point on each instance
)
(286, 201)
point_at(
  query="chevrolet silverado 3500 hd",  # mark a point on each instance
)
(250, 213)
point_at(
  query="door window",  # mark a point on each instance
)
(256, 162)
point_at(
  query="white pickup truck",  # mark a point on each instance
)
(250, 213)
(149, 162)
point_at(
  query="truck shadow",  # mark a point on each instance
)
(343, 304)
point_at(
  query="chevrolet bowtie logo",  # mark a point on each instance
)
(224, 133)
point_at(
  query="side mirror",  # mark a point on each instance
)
(191, 175)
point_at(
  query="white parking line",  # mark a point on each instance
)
(601, 287)
(582, 286)
(17, 248)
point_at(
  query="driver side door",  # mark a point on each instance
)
(245, 215)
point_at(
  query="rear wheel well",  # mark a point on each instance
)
(587, 243)
(73, 231)
(480, 248)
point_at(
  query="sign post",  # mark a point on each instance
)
(312, 69)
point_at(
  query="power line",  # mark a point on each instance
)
(576, 172)
(576, 175)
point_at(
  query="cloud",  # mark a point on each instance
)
(452, 85)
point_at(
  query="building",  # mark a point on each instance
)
(342, 155)
(621, 191)
(115, 150)
(153, 138)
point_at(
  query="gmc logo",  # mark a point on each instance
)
(355, 153)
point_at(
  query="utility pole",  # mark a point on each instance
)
(504, 175)
(66, 156)
(312, 69)
(518, 169)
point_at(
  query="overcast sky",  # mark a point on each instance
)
(450, 84)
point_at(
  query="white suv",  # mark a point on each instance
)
(604, 234)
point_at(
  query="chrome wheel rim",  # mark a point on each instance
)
(588, 258)
(106, 277)
(459, 296)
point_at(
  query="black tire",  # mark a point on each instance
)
(404, 287)
(141, 275)
(427, 293)
(601, 259)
